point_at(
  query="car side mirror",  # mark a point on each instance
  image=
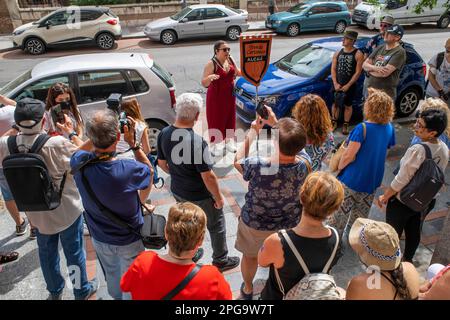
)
(47, 24)
(307, 14)
(184, 20)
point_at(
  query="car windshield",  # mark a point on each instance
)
(299, 8)
(181, 14)
(15, 83)
(307, 61)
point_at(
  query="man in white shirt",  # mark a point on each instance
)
(439, 75)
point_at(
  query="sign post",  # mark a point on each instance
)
(255, 58)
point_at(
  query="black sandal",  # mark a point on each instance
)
(8, 257)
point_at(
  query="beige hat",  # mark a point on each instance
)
(376, 243)
(388, 19)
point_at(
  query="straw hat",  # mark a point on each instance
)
(376, 243)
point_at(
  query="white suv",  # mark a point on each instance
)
(74, 25)
(93, 77)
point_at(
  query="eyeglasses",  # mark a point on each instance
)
(418, 125)
(225, 49)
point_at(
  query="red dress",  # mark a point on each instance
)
(221, 103)
(151, 278)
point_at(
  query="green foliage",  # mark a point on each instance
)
(109, 2)
(419, 8)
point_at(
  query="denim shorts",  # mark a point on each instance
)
(6, 192)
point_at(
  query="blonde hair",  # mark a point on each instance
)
(437, 104)
(132, 109)
(379, 107)
(185, 227)
(312, 112)
(321, 194)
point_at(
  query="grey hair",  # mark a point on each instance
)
(102, 128)
(188, 106)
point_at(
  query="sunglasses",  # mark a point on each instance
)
(384, 25)
(225, 49)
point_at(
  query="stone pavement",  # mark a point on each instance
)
(23, 279)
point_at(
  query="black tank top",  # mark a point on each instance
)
(345, 66)
(315, 252)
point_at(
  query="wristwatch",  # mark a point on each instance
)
(72, 134)
(136, 147)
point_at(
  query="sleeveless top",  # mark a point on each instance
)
(346, 66)
(315, 251)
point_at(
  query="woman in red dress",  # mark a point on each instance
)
(218, 77)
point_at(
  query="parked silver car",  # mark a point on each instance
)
(93, 77)
(199, 21)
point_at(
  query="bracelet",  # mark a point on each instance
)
(72, 135)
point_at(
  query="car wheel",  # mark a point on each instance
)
(105, 41)
(293, 30)
(233, 33)
(154, 129)
(34, 46)
(340, 27)
(168, 37)
(443, 22)
(407, 102)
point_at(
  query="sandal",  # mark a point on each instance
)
(345, 128)
(8, 257)
(245, 296)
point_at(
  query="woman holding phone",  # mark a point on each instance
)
(61, 100)
(218, 77)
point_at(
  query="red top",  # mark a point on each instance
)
(151, 278)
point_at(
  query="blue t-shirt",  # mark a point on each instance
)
(116, 184)
(366, 172)
(272, 201)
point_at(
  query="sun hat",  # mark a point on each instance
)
(388, 19)
(350, 34)
(376, 243)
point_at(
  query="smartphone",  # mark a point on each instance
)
(58, 114)
(262, 111)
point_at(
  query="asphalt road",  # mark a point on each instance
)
(186, 59)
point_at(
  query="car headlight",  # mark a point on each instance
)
(271, 100)
(16, 33)
(277, 22)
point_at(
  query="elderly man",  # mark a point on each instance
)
(63, 224)
(385, 63)
(439, 76)
(185, 156)
(378, 39)
(118, 184)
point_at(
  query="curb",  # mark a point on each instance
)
(9, 49)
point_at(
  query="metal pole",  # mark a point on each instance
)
(257, 137)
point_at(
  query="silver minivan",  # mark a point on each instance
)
(93, 77)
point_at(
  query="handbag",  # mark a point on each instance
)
(339, 151)
(152, 231)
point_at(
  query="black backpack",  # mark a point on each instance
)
(439, 60)
(425, 184)
(28, 178)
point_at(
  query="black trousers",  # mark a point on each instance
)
(402, 218)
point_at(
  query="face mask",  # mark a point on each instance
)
(65, 105)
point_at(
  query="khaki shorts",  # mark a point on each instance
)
(248, 240)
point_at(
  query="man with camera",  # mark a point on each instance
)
(439, 75)
(120, 185)
(186, 157)
(345, 71)
(62, 224)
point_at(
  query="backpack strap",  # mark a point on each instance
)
(12, 145)
(440, 60)
(333, 254)
(39, 143)
(427, 151)
(182, 284)
(295, 251)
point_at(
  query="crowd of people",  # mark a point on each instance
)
(296, 218)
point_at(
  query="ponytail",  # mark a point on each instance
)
(400, 283)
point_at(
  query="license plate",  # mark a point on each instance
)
(239, 104)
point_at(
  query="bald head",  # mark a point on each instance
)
(447, 44)
(102, 128)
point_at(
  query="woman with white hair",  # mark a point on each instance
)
(185, 156)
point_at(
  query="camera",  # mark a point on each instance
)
(262, 111)
(114, 102)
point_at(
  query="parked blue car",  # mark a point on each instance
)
(311, 16)
(308, 70)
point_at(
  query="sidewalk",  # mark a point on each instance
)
(23, 278)
(127, 33)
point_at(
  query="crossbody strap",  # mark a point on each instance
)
(182, 284)
(106, 211)
(333, 254)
